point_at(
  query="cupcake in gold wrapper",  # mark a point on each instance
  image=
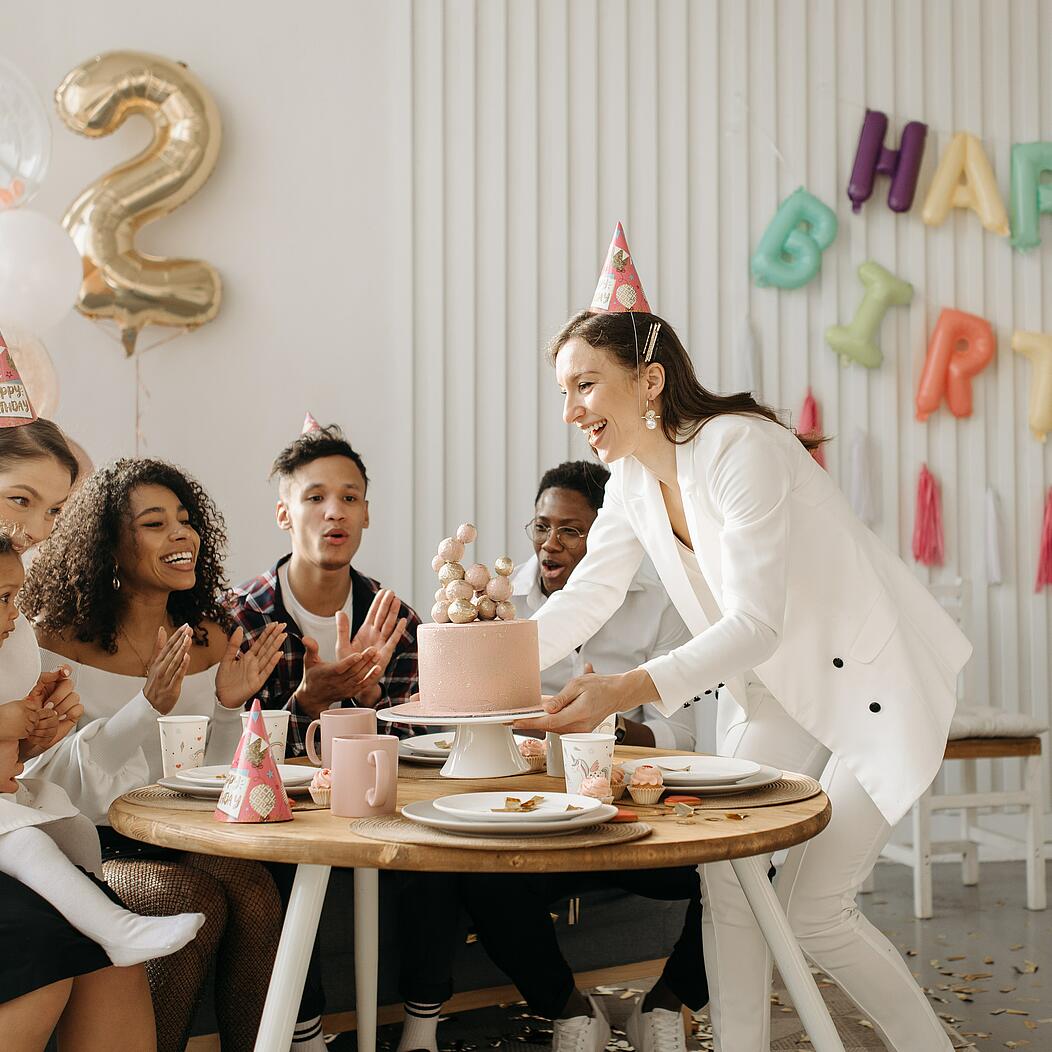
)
(533, 752)
(646, 785)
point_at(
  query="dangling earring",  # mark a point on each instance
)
(650, 418)
(116, 579)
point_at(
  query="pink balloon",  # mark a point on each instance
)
(36, 369)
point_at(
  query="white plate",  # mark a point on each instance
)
(422, 759)
(765, 776)
(704, 770)
(213, 792)
(424, 812)
(291, 774)
(427, 744)
(479, 807)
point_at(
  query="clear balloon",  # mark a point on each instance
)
(965, 158)
(857, 342)
(34, 365)
(1037, 346)
(25, 138)
(1030, 196)
(790, 252)
(40, 271)
(961, 346)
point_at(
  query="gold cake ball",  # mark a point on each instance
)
(440, 595)
(477, 576)
(459, 590)
(466, 533)
(499, 589)
(451, 550)
(436, 563)
(504, 566)
(487, 608)
(440, 613)
(451, 572)
(506, 611)
(461, 611)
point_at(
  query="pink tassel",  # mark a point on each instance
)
(811, 424)
(927, 527)
(1044, 559)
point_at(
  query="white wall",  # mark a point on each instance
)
(412, 196)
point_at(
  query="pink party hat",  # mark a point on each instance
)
(253, 791)
(619, 289)
(310, 424)
(15, 407)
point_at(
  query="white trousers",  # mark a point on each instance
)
(817, 886)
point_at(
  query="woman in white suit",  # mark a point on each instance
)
(827, 655)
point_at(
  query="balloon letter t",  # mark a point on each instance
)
(790, 251)
(1037, 346)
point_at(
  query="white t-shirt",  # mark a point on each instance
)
(320, 629)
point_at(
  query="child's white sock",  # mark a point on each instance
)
(31, 856)
(420, 1029)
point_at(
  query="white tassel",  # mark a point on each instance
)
(994, 540)
(861, 495)
(747, 370)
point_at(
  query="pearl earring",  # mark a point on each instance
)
(650, 418)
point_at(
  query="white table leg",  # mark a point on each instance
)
(366, 954)
(290, 964)
(796, 974)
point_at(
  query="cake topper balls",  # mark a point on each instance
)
(499, 589)
(466, 533)
(487, 609)
(451, 572)
(506, 611)
(440, 595)
(504, 566)
(440, 613)
(451, 550)
(459, 590)
(461, 611)
(436, 563)
(477, 576)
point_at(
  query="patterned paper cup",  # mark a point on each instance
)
(586, 756)
(276, 722)
(183, 740)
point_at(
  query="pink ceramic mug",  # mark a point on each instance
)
(337, 723)
(364, 775)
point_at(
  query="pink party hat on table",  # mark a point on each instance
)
(253, 791)
(15, 407)
(619, 288)
(309, 424)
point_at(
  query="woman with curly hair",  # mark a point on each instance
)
(127, 592)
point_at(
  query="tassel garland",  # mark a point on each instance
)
(862, 497)
(1044, 559)
(747, 360)
(927, 527)
(811, 424)
(994, 538)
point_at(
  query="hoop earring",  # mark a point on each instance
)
(116, 579)
(650, 418)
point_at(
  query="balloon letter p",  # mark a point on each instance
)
(1030, 197)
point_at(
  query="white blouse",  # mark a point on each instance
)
(116, 746)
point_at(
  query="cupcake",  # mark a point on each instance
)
(617, 781)
(598, 788)
(646, 785)
(321, 787)
(532, 751)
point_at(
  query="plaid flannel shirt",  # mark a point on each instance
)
(256, 603)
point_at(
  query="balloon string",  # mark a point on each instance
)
(762, 132)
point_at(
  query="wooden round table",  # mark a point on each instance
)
(316, 840)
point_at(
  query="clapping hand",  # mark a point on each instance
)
(171, 659)
(242, 673)
(381, 630)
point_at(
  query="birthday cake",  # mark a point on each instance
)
(477, 658)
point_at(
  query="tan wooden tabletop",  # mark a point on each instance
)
(319, 838)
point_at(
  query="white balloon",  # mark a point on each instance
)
(25, 138)
(40, 271)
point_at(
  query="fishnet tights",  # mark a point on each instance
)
(242, 930)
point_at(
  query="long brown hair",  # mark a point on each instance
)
(37, 441)
(685, 404)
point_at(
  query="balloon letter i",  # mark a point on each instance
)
(857, 342)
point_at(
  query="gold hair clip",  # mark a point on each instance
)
(652, 335)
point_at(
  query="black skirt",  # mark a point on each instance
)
(38, 946)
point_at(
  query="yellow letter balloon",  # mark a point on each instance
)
(1037, 346)
(121, 283)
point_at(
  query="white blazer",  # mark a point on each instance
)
(834, 624)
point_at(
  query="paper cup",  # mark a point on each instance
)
(276, 722)
(183, 740)
(586, 756)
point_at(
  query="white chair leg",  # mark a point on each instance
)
(1035, 839)
(922, 897)
(969, 819)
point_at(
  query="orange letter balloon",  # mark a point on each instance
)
(961, 346)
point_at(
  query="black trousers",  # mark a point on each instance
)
(511, 916)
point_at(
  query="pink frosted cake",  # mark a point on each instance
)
(479, 667)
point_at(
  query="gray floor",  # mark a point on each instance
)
(983, 958)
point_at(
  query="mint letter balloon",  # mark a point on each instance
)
(790, 252)
(1030, 197)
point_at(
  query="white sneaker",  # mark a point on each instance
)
(581, 1033)
(656, 1031)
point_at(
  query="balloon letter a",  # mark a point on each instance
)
(857, 342)
(961, 346)
(965, 157)
(790, 251)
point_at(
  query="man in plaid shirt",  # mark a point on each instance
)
(348, 641)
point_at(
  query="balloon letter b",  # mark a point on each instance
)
(960, 347)
(966, 157)
(873, 158)
(1030, 197)
(790, 251)
(858, 341)
(1037, 346)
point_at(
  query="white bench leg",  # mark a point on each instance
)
(922, 897)
(969, 819)
(1035, 839)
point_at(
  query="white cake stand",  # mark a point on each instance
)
(483, 746)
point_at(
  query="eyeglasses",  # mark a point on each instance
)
(568, 536)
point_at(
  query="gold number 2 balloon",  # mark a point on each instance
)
(121, 283)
